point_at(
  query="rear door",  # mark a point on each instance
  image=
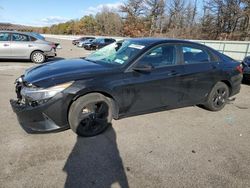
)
(200, 72)
(101, 43)
(5, 51)
(21, 46)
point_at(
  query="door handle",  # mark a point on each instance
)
(215, 65)
(6, 45)
(30, 45)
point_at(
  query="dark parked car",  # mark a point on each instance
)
(126, 78)
(76, 42)
(246, 69)
(98, 43)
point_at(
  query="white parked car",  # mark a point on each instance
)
(24, 45)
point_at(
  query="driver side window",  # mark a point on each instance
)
(161, 56)
(4, 37)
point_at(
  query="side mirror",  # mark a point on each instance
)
(143, 68)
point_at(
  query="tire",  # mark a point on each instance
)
(218, 97)
(38, 57)
(90, 114)
(246, 79)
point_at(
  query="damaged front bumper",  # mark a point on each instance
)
(39, 118)
(46, 117)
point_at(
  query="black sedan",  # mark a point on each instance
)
(246, 69)
(126, 78)
(76, 42)
(98, 43)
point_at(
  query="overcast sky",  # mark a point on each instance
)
(48, 12)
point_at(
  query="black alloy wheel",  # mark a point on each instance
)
(90, 114)
(93, 118)
(218, 97)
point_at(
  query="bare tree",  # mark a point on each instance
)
(109, 22)
(246, 15)
(221, 19)
(176, 16)
(133, 10)
(225, 16)
(190, 13)
(155, 10)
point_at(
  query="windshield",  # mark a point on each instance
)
(117, 53)
(98, 40)
(87, 41)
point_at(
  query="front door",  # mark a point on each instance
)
(150, 90)
(5, 51)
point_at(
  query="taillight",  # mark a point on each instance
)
(239, 68)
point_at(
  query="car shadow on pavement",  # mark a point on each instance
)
(28, 61)
(55, 59)
(15, 61)
(95, 162)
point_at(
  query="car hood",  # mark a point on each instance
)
(63, 71)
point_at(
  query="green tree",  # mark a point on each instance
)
(88, 25)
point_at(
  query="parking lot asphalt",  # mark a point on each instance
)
(188, 147)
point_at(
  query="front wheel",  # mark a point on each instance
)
(90, 114)
(218, 97)
(38, 57)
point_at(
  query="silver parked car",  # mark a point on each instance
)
(81, 43)
(24, 45)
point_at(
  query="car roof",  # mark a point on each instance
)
(36, 35)
(21, 32)
(85, 37)
(151, 41)
(105, 38)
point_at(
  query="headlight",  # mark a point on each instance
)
(36, 94)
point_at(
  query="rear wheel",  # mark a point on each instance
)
(38, 57)
(218, 97)
(90, 115)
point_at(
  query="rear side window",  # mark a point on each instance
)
(19, 37)
(109, 40)
(32, 38)
(102, 41)
(194, 55)
(4, 37)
